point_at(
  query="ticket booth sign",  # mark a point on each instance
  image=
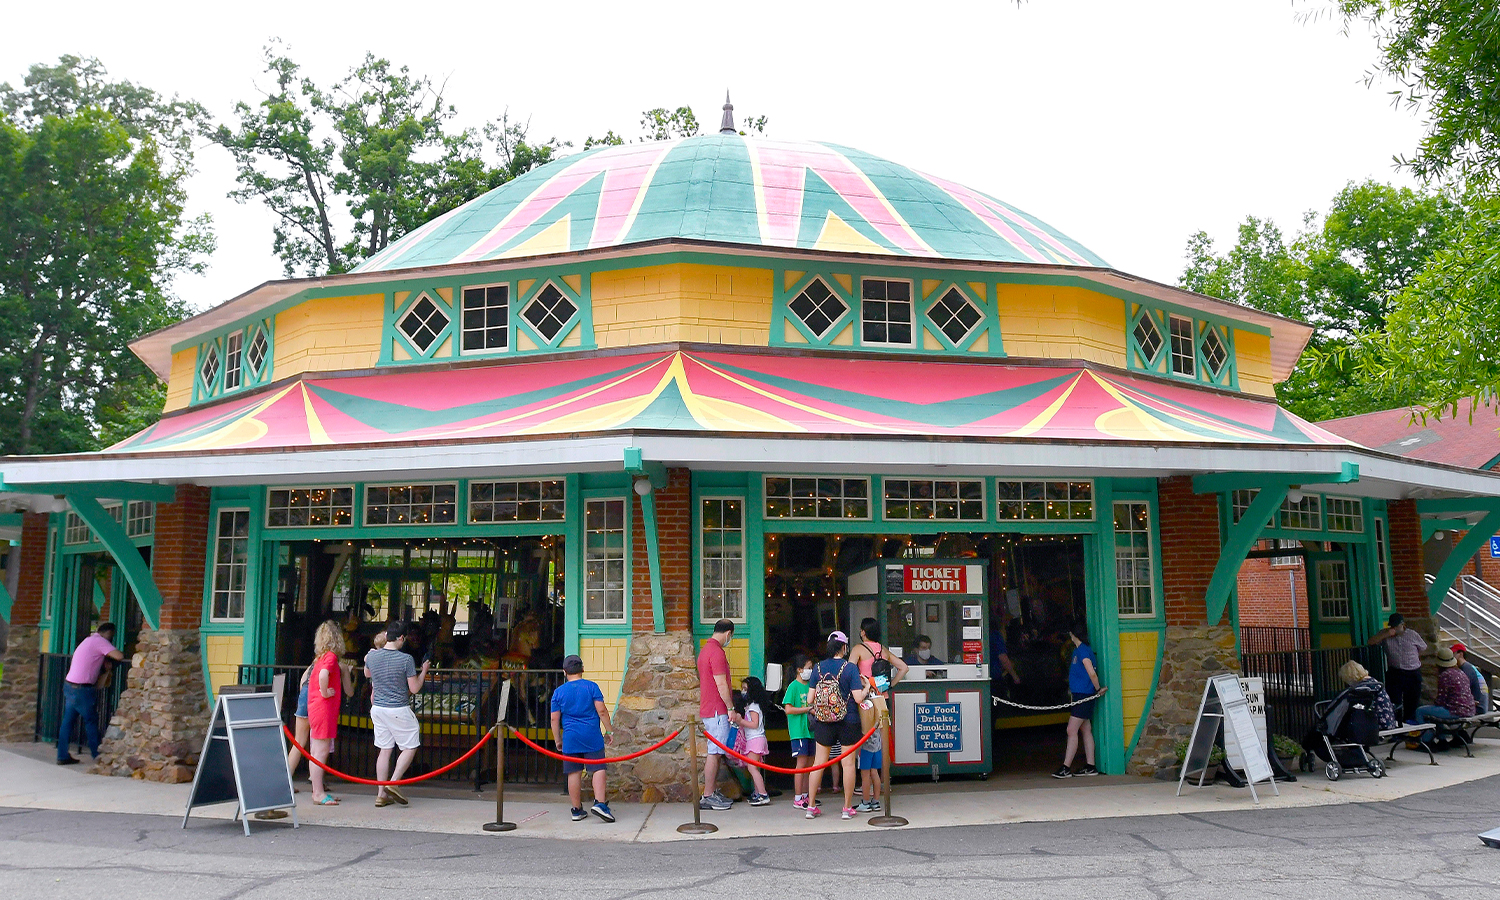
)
(938, 727)
(940, 579)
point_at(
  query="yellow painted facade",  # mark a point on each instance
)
(180, 383)
(682, 302)
(738, 654)
(604, 664)
(1049, 322)
(224, 653)
(1138, 651)
(1334, 640)
(1252, 354)
(329, 334)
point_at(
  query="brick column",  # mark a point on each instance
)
(23, 644)
(1409, 582)
(674, 523)
(158, 729)
(1194, 648)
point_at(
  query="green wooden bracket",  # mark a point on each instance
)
(112, 535)
(638, 466)
(5, 601)
(12, 520)
(108, 490)
(1458, 505)
(1463, 551)
(1219, 482)
(1242, 536)
(653, 561)
(1433, 526)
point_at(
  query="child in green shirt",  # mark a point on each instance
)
(796, 705)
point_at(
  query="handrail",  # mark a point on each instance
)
(1460, 613)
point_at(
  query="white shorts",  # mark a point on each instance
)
(396, 726)
(718, 726)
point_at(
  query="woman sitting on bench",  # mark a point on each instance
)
(1454, 700)
(1353, 674)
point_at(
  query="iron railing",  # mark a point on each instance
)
(1272, 639)
(455, 707)
(49, 698)
(1296, 679)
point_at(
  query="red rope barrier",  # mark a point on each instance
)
(761, 765)
(357, 780)
(595, 762)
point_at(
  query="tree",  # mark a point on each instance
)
(92, 176)
(1343, 275)
(348, 169)
(662, 124)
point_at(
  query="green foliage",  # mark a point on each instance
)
(1344, 276)
(92, 176)
(662, 124)
(349, 169)
(1285, 747)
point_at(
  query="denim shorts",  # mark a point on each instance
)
(302, 703)
(718, 726)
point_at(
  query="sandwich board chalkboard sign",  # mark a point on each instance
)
(1224, 705)
(243, 759)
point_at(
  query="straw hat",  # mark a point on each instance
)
(1445, 658)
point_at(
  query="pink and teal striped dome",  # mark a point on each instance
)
(733, 189)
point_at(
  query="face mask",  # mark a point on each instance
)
(924, 654)
(805, 674)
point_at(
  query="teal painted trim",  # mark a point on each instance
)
(574, 610)
(520, 323)
(96, 490)
(1239, 481)
(1458, 504)
(1103, 613)
(988, 324)
(11, 520)
(573, 565)
(1237, 543)
(1463, 551)
(653, 562)
(1160, 365)
(1132, 297)
(755, 577)
(1132, 493)
(5, 601)
(203, 390)
(126, 556)
(781, 314)
(260, 601)
(1433, 526)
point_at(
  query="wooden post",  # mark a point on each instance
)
(697, 826)
(889, 820)
(499, 824)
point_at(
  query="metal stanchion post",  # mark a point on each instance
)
(697, 826)
(889, 820)
(500, 824)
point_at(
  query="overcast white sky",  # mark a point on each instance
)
(1127, 125)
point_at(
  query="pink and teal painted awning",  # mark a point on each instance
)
(689, 391)
(736, 190)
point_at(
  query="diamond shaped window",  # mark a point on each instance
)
(256, 353)
(209, 371)
(1147, 338)
(818, 307)
(1215, 354)
(549, 312)
(423, 323)
(955, 315)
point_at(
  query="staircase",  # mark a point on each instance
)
(1471, 613)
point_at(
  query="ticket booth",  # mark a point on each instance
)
(940, 713)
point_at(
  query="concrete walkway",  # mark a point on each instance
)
(30, 779)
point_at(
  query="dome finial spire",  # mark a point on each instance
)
(726, 125)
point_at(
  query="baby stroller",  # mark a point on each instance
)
(1344, 729)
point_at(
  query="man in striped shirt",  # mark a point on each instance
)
(393, 679)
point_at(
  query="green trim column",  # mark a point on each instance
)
(112, 535)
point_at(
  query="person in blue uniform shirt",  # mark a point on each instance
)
(922, 655)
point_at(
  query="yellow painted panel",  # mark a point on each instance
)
(981, 344)
(523, 341)
(574, 338)
(846, 337)
(792, 335)
(682, 302)
(328, 334)
(791, 278)
(1137, 669)
(604, 664)
(928, 286)
(1333, 641)
(224, 653)
(44, 640)
(447, 294)
(1047, 322)
(929, 342)
(575, 282)
(846, 280)
(978, 290)
(738, 654)
(180, 380)
(523, 286)
(1252, 354)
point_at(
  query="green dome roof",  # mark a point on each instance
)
(732, 189)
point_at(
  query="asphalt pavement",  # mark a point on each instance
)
(1422, 845)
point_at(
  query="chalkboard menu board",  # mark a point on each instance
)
(243, 759)
(1225, 705)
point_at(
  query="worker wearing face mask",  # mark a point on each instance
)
(923, 655)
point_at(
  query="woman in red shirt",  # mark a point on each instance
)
(331, 679)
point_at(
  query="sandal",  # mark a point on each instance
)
(328, 800)
(383, 801)
(396, 795)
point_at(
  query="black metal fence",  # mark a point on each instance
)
(455, 708)
(1268, 639)
(1295, 680)
(49, 697)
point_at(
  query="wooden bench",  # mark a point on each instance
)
(1397, 738)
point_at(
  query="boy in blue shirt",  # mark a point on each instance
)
(578, 711)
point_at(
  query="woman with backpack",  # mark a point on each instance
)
(876, 663)
(837, 692)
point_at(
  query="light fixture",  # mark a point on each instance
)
(642, 485)
(1439, 535)
(1294, 494)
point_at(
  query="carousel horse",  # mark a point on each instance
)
(528, 692)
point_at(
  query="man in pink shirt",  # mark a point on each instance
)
(80, 698)
(713, 708)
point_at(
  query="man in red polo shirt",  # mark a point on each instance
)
(80, 697)
(713, 708)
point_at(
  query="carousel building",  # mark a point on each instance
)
(647, 387)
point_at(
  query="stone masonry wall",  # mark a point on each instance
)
(660, 694)
(18, 693)
(158, 729)
(1193, 655)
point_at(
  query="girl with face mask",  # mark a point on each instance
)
(796, 705)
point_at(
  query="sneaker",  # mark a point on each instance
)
(1087, 770)
(1064, 772)
(850, 812)
(578, 814)
(602, 811)
(813, 812)
(760, 800)
(869, 806)
(800, 802)
(715, 800)
(68, 761)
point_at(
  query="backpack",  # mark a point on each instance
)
(880, 671)
(828, 702)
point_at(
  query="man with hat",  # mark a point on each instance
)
(1453, 697)
(1477, 685)
(578, 714)
(394, 677)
